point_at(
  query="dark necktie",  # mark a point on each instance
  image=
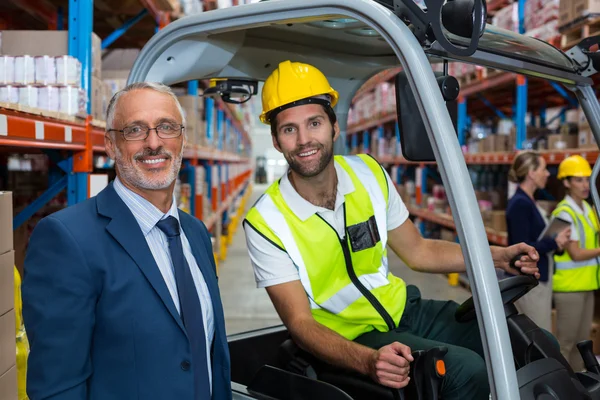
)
(190, 308)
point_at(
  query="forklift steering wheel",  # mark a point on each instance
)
(511, 290)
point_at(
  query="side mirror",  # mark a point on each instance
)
(413, 136)
(460, 17)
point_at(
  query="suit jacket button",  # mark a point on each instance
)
(185, 365)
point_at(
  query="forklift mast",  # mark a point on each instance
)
(352, 40)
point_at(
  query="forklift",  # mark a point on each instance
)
(350, 41)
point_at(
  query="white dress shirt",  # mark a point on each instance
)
(272, 266)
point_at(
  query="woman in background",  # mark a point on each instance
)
(525, 221)
(577, 269)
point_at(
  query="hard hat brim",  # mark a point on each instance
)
(267, 116)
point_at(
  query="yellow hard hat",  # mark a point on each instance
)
(293, 84)
(574, 166)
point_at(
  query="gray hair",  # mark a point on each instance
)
(158, 87)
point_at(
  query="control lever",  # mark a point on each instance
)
(589, 359)
(435, 370)
(426, 373)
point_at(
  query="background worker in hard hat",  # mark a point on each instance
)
(577, 272)
(525, 221)
(317, 240)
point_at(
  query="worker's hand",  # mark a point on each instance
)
(563, 238)
(502, 257)
(390, 365)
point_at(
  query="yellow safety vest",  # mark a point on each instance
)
(347, 281)
(577, 276)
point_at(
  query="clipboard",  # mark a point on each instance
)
(555, 226)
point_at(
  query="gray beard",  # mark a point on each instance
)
(134, 176)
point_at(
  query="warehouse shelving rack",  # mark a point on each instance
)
(512, 94)
(81, 138)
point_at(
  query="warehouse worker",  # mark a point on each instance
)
(120, 295)
(525, 221)
(577, 272)
(317, 240)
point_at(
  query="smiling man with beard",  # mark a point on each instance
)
(120, 295)
(318, 242)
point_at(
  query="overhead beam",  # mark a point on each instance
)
(41, 10)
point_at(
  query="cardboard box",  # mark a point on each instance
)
(7, 295)
(6, 226)
(495, 143)
(47, 43)
(565, 12)
(8, 344)
(584, 8)
(560, 142)
(498, 221)
(586, 138)
(97, 98)
(8, 385)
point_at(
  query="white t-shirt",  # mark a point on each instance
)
(567, 217)
(272, 266)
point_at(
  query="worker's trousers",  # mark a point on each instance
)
(430, 323)
(574, 315)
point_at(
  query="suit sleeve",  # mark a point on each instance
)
(59, 298)
(519, 229)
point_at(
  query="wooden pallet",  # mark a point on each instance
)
(576, 31)
(75, 119)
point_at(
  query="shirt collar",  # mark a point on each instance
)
(145, 213)
(575, 206)
(302, 207)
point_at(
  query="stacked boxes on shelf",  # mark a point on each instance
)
(541, 19)
(38, 74)
(8, 361)
(193, 108)
(508, 17)
(575, 10)
(586, 138)
(381, 101)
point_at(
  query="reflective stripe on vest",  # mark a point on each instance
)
(319, 255)
(576, 276)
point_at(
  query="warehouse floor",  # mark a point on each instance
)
(247, 307)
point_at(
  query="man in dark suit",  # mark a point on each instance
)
(120, 295)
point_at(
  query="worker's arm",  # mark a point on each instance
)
(441, 256)
(59, 298)
(578, 254)
(388, 366)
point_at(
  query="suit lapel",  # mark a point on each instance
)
(125, 229)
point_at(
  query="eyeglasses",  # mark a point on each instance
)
(141, 132)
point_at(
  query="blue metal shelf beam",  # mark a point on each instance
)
(492, 107)
(110, 39)
(81, 19)
(521, 105)
(462, 121)
(38, 203)
(572, 101)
